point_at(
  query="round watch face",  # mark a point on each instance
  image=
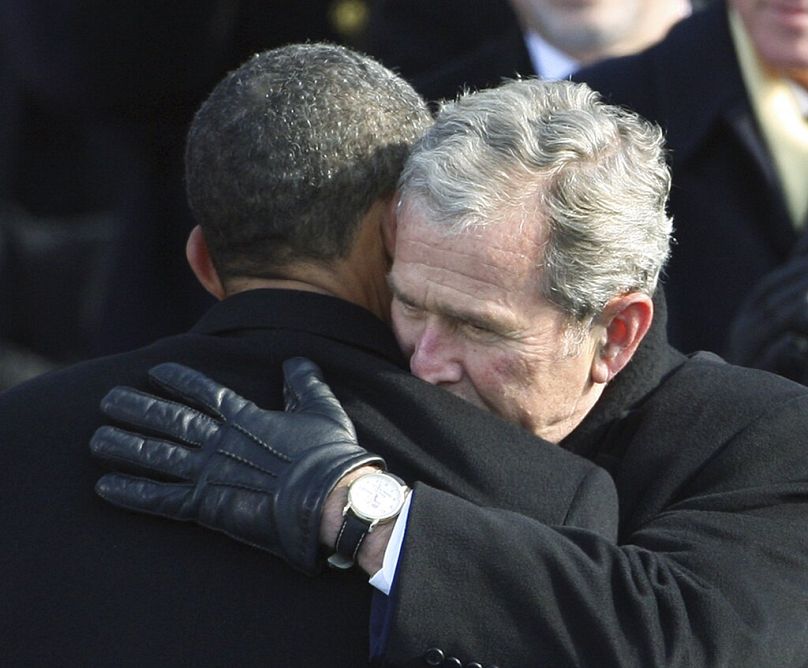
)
(376, 496)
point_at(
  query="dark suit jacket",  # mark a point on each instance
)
(86, 584)
(730, 217)
(711, 564)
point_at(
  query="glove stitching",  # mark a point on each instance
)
(306, 517)
(258, 441)
(184, 407)
(247, 462)
(199, 414)
(189, 398)
(181, 437)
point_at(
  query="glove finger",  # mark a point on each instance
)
(196, 388)
(147, 496)
(117, 445)
(305, 391)
(161, 416)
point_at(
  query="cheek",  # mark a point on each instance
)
(530, 386)
(506, 367)
(505, 385)
(501, 375)
(518, 365)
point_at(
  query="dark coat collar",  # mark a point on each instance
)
(699, 87)
(328, 317)
(708, 89)
(690, 83)
(701, 94)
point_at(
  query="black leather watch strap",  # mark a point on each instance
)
(349, 539)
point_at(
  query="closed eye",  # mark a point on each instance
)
(477, 331)
(407, 310)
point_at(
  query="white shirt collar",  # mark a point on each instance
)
(548, 62)
(801, 95)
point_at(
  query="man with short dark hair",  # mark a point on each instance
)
(292, 165)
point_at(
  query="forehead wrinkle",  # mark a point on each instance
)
(483, 256)
(491, 271)
(462, 262)
(471, 307)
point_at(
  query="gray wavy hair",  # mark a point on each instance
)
(553, 153)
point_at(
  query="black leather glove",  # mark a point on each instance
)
(259, 476)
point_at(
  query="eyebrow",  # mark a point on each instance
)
(399, 294)
(480, 321)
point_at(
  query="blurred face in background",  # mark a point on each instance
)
(589, 30)
(779, 31)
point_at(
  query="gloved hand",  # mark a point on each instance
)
(259, 476)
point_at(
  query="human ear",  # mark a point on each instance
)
(198, 256)
(625, 321)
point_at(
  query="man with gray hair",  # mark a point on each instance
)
(494, 166)
(531, 234)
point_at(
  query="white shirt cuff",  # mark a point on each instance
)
(383, 578)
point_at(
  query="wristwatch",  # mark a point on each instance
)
(373, 499)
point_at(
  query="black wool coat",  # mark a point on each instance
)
(711, 563)
(87, 584)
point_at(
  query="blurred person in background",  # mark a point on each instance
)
(446, 47)
(730, 87)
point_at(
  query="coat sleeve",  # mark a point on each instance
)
(715, 575)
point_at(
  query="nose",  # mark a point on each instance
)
(436, 357)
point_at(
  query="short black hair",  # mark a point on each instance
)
(291, 149)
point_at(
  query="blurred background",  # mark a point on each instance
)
(95, 99)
